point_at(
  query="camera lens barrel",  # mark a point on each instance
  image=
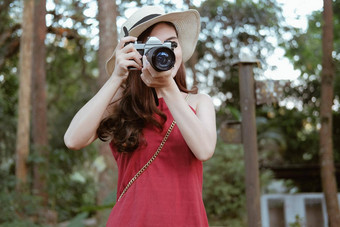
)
(161, 58)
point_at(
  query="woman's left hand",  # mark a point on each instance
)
(153, 78)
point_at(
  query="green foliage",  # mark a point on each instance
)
(300, 126)
(289, 137)
(295, 133)
(227, 28)
(298, 222)
(70, 83)
(78, 220)
(8, 81)
(15, 207)
(8, 112)
(223, 186)
(305, 51)
(20, 224)
(68, 196)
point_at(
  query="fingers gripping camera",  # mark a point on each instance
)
(160, 55)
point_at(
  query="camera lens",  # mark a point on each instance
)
(161, 58)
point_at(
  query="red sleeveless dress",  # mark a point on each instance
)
(169, 192)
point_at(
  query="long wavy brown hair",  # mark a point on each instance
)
(136, 109)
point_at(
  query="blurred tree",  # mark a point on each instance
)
(108, 176)
(107, 14)
(304, 50)
(39, 102)
(223, 187)
(71, 79)
(228, 28)
(70, 73)
(9, 43)
(23, 129)
(9, 48)
(326, 138)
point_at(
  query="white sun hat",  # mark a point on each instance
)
(187, 24)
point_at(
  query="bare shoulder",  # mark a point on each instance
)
(197, 100)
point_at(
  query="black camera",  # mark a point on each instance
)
(160, 55)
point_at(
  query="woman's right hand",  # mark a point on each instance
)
(126, 56)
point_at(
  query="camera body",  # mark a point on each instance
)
(160, 55)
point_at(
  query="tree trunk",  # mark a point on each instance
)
(25, 72)
(39, 122)
(326, 141)
(39, 113)
(107, 13)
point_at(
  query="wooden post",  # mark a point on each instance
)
(249, 138)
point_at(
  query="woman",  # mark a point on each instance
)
(159, 149)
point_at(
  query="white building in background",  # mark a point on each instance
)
(283, 210)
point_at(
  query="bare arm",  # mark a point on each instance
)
(83, 127)
(198, 130)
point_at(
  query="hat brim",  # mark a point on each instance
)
(187, 24)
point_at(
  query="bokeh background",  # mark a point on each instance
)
(52, 57)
